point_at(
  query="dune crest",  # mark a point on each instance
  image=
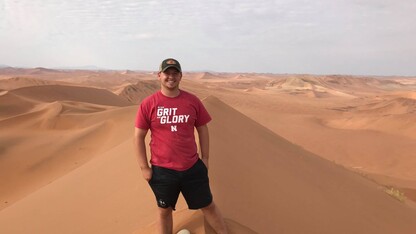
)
(136, 93)
(50, 93)
(20, 82)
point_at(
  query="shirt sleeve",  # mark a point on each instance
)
(203, 116)
(143, 116)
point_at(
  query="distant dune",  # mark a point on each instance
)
(20, 82)
(50, 93)
(392, 106)
(137, 92)
(289, 153)
(324, 86)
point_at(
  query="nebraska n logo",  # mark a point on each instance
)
(173, 128)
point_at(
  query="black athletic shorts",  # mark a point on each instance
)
(193, 183)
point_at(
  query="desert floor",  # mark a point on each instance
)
(289, 153)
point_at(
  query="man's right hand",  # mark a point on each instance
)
(147, 173)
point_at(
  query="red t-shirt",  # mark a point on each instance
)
(171, 122)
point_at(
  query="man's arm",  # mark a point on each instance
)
(204, 143)
(140, 148)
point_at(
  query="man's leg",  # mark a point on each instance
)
(165, 186)
(164, 220)
(214, 218)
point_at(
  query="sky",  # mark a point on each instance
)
(356, 37)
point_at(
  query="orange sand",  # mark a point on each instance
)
(289, 153)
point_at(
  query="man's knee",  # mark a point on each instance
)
(209, 207)
(165, 212)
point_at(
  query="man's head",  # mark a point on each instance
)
(170, 74)
(168, 63)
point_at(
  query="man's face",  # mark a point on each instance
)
(170, 78)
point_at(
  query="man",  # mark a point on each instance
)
(171, 114)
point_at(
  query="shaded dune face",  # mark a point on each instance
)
(135, 93)
(67, 163)
(48, 131)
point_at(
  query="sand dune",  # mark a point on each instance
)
(208, 76)
(30, 123)
(42, 71)
(107, 79)
(49, 144)
(135, 93)
(11, 71)
(283, 185)
(38, 72)
(12, 104)
(389, 105)
(229, 80)
(20, 82)
(411, 95)
(391, 114)
(372, 143)
(324, 86)
(284, 166)
(66, 93)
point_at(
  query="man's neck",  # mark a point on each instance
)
(170, 93)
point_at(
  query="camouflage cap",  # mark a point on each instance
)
(170, 62)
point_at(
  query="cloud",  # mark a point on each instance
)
(225, 32)
(140, 36)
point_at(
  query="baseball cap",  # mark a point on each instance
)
(170, 62)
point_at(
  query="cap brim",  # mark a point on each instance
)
(169, 66)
